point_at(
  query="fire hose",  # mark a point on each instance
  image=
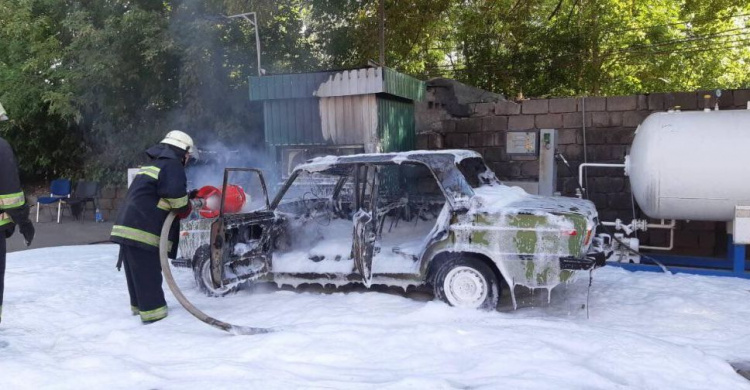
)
(164, 258)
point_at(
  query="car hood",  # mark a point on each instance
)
(502, 199)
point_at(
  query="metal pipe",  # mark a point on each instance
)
(669, 226)
(257, 42)
(253, 22)
(585, 148)
(580, 170)
(662, 248)
(662, 225)
(381, 31)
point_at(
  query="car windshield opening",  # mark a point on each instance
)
(476, 172)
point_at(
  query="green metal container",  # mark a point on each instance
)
(363, 110)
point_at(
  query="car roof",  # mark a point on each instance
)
(322, 163)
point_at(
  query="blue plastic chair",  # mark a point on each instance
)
(59, 190)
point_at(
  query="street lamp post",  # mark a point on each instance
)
(252, 18)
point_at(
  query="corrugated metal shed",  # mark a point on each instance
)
(396, 125)
(371, 107)
(292, 122)
(349, 120)
(336, 83)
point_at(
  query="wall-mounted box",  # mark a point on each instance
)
(521, 143)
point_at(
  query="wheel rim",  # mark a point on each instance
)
(465, 287)
(206, 275)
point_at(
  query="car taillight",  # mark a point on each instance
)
(588, 237)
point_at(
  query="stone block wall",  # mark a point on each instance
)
(109, 201)
(610, 124)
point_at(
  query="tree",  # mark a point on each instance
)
(574, 47)
(34, 90)
(90, 84)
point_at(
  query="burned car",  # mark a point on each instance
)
(424, 218)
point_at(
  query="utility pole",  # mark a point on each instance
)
(381, 25)
(253, 22)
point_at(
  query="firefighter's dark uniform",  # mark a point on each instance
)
(13, 208)
(157, 189)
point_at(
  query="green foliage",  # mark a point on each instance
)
(34, 91)
(90, 84)
(607, 47)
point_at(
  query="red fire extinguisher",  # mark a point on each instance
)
(235, 199)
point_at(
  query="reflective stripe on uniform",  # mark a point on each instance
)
(135, 235)
(153, 315)
(134, 310)
(150, 171)
(5, 219)
(10, 201)
(163, 204)
(177, 203)
(167, 204)
(138, 235)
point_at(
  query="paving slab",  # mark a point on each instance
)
(69, 231)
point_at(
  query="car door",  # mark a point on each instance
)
(241, 241)
(365, 221)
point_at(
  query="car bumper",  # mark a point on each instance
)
(590, 261)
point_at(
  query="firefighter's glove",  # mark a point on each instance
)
(193, 194)
(186, 213)
(27, 230)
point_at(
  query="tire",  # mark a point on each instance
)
(467, 282)
(202, 274)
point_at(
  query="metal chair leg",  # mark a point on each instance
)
(59, 209)
(38, 206)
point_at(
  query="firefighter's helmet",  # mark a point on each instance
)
(181, 140)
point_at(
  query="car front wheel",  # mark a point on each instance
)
(467, 282)
(202, 273)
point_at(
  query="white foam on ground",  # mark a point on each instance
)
(67, 325)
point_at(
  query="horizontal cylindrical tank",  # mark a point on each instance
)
(691, 165)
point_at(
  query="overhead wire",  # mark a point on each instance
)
(639, 47)
(641, 50)
(737, 44)
(685, 22)
(697, 38)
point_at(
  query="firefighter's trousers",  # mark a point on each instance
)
(3, 249)
(143, 275)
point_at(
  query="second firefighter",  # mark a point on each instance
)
(158, 189)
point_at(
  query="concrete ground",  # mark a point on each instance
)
(68, 232)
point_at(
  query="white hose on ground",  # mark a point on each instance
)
(164, 257)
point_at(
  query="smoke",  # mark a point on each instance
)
(215, 157)
(214, 104)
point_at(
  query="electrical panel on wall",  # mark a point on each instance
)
(521, 143)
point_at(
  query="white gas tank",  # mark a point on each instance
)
(691, 165)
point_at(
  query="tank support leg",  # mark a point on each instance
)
(737, 256)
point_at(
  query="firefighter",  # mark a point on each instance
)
(157, 189)
(13, 208)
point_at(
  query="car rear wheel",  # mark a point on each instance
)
(202, 274)
(467, 282)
